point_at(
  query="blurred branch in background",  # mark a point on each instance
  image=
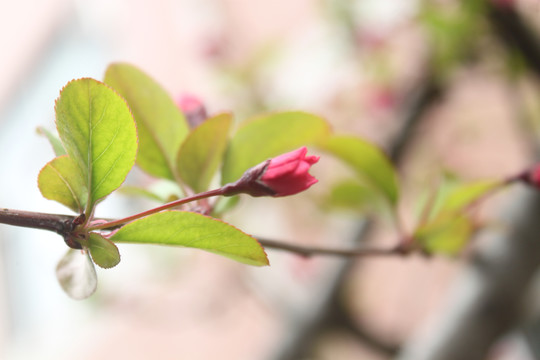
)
(488, 299)
(515, 35)
(329, 312)
(519, 40)
(308, 251)
(488, 295)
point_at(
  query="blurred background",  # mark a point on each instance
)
(447, 87)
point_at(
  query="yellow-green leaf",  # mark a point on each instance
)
(61, 180)
(466, 194)
(182, 228)
(161, 126)
(98, 133)
(369, 162)
(270, 135)
(351, 195)
(55, 142)
(202, 152)
(447, 234)
(104, 253)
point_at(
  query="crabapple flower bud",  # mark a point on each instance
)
(193, 109)
(288, 174)
(284, 175)
(531, 176)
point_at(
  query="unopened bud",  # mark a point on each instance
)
(193, 109)
(284, 175)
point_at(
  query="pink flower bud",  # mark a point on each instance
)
(284, 175)
(534, 176)
(193, 109)
(531, 176)
(288, 174)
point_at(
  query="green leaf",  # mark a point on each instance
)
(445, 235)
(161, 126)
(104, 253)
(160, 190)
(270, 135)
(55, 142)
(137, 191)
(61, 180)
(449, 31)
(77, 274)
(181, 228)
(466, 194)
(369, 162)
(98, 133)
(202, 151)
(351, 195)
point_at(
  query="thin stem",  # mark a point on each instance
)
(62, 224)
(488, 194)
(314, 250)
(429, 206)
(399, 224)
(187, 191)
(119, 222)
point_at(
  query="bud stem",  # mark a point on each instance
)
(120, 222)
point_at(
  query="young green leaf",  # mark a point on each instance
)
(161, 126)
(466, 194)
(134, 191)
(61, 180)
(447, 234)
(77, 274)
(99, 134)
(202, 151)
(104, 253)
(449, 32)
(181, 228)
(369, 162)
(268, 136)
(351, 195)
(55, 142)
(160, 190)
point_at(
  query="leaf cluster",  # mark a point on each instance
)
(106, 127)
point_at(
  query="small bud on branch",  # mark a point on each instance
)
(530, 177)
(284, 175)
(193, 109)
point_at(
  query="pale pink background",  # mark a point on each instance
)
(165, 303)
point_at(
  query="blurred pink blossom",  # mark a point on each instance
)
(193, 109)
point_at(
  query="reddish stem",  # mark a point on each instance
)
(120, 222)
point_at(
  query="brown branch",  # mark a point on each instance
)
(61, 224)
(309, 251)
(303, 331)
(515, 34)
(487, 299)
(340, 319)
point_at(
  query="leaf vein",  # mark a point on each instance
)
(108, 145)
(106, 175)
(64, 180)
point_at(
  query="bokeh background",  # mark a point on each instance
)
(367, 66)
